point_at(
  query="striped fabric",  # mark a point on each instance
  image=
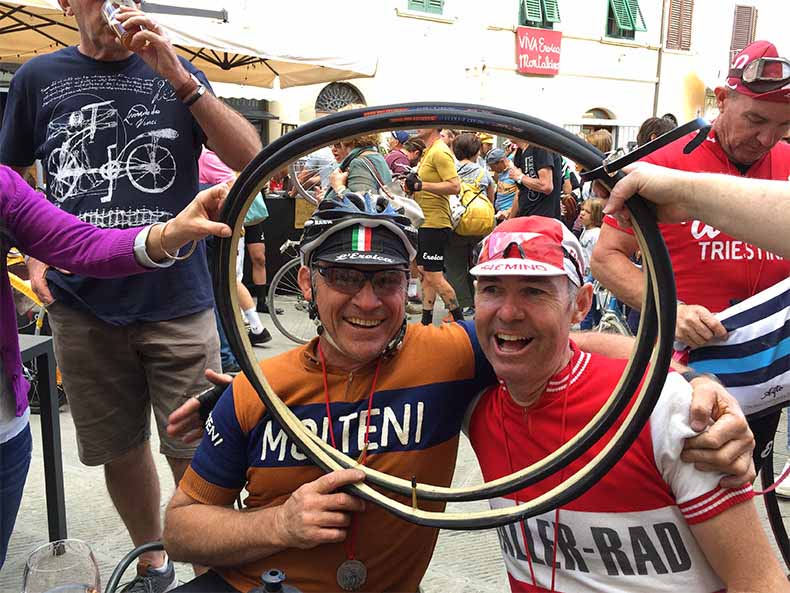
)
(754, 361)
(361, 238)
(711, 504)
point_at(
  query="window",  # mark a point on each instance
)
(432, 6)
(337, 95)
(743, 24)
(538, 13)
(624, 19)
(679, 28)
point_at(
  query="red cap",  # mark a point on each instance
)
(531, 246)
(752, 52)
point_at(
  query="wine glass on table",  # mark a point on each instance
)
(63, 566)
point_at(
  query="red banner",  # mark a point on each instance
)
(538, 51)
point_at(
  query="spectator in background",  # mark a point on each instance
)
(509, 148)
(395, 140)
(591, 218)
(397, 159)
(211, 171)
(361, 169)
(602, 140)
(449, 136)
(433, 184)
(505, 186)
(414, 149)
(652, 128)
(131, 346)
(486, 143)
(569, 200)
(459, 254)
(538, 174)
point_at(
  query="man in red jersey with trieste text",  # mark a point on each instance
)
(713, 270)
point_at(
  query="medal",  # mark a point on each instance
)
(351, 575)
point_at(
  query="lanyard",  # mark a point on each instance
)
(349, 543)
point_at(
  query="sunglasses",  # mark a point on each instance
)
(764, 74)
(351, 280)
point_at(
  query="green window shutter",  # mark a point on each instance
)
(552, 11)
(418, 5)
(435, 6)
(621, 15)
(636, 15)
(532, 10)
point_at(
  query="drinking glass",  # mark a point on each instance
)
(63, 566)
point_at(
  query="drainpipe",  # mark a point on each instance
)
(660, 56)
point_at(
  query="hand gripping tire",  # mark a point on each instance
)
(650, 359)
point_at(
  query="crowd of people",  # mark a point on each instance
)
(677, 511)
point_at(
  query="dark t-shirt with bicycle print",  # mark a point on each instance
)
(118, 150)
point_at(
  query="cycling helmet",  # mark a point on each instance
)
(359, 229)
(358, 216)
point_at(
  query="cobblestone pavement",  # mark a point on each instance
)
(463, 561)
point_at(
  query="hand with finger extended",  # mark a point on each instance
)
(316, 513)
(696, 326)
(186, 422)
(727, 443)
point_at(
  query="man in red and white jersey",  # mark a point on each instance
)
(714, 270)
(654, 522)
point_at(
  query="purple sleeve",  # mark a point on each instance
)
(45, 232)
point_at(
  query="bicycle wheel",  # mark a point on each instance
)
(310, 174)
(653, 342)
(285, 295)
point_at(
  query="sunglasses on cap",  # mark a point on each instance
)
(764, 74)
(501, 246)
(351, 280)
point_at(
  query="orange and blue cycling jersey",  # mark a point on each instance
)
(421, 396)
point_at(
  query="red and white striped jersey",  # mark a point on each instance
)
(629, 532)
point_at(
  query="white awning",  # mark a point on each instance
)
(261, 42)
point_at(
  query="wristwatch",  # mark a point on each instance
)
(190, 91)
(199, 92)
(691, 374)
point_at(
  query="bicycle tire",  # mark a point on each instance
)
(472, 119)
(660, 302)
(285, 295)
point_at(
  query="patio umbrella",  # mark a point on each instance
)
(258, 44)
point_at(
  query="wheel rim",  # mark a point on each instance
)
(284, 294)
(659, 303)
